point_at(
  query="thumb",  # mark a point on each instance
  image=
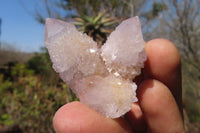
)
(159, 107)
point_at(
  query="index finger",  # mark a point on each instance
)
(164, 64)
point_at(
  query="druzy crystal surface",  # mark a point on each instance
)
(100, 77)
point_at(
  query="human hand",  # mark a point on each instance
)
(159, 92)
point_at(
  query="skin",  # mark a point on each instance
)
(159, 94)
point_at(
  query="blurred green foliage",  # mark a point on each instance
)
(29, 98)
(158, 7)
(191, 92)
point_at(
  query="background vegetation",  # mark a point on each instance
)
(31, 92)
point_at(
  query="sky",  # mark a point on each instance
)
(19, 28)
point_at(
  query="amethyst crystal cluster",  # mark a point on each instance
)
(100, 77)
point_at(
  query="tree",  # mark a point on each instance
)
(114, 8)
(181, 24)
(117, 8)
(185, 25)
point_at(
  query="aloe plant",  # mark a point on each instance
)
(98, 26)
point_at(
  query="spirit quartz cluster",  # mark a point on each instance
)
(100, 77)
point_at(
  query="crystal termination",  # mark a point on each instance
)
(100, 77)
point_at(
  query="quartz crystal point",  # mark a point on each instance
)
(100, 77)
(123, 52)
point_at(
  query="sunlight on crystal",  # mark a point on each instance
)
(119, 83)
(92, 51)
(116, 74)
(100, 77)
(113, 57)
